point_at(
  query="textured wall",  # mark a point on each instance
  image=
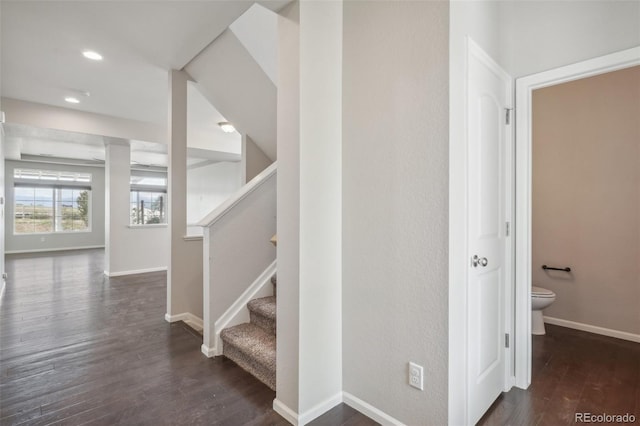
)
(395, 183)
(586, 198)
(541, 35)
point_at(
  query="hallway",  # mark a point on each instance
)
(79, 348)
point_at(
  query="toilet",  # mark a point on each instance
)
(541, 298)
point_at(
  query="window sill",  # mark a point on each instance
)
(152, 225)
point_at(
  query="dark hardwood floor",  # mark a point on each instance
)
(79, 348)
(573, 372)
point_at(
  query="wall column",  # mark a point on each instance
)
(309, 375)
(116, 175)
(184, 277)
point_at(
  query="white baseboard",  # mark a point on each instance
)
(209, 352)
(238, 313)
(185, 316)
(369, 410)
(593, 329)
(287, 413)
(319, 409)
(135, 271)
(52, 249)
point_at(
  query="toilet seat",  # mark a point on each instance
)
(541, 292)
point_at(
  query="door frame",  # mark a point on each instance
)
(523, 175)
(458, 252)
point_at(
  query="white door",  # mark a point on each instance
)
(489, 95)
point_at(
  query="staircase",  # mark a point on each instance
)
(252, 345)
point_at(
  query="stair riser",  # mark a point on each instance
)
(267, 324)
(259, 371)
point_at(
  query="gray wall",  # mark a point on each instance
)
(55, 241)
(395, 183)
(256, 160)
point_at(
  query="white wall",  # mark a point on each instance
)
(288, 220)
(395, 183)
(542, 35)
(239, 89)
(50, 117)
(257, 30)
(55, 241)
(184, 278)
(320, 374)
(128, 249)
(209, 186)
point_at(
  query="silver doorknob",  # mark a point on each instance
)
(482, 261)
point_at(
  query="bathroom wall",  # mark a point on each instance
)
(586, 198)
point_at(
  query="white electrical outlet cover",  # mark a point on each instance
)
(416, 376)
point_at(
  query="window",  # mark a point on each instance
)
(148, 197)
(51, 201)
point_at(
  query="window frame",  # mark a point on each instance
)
(154, 189)
(53, 189)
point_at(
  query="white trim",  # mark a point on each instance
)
(369, 410)
(234, 314)
(524, 91)
(135, 271)
(193, 238)
(287, 413)
(207, 351)
(319, 409)
(149, 226)
(240, 195)
(184, 316)
(53, 249)
(594, 329)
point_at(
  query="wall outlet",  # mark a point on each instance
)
(416, 376)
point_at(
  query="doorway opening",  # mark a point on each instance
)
(524, 266)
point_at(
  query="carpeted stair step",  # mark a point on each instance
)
(263, 313)
(253, 349)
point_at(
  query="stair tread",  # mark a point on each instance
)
(253, 341)
(265, 306)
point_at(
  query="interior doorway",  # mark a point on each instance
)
(525, 88)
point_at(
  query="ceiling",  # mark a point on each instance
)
(35, 144)
(42, 42)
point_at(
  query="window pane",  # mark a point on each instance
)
(66, 195)
(147, 208)
(43, 210)
(51, 175)
(44, 195)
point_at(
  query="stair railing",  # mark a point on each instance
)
(236, 251)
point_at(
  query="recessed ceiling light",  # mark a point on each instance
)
(227, 127)
(72, 100)
(90, 54)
